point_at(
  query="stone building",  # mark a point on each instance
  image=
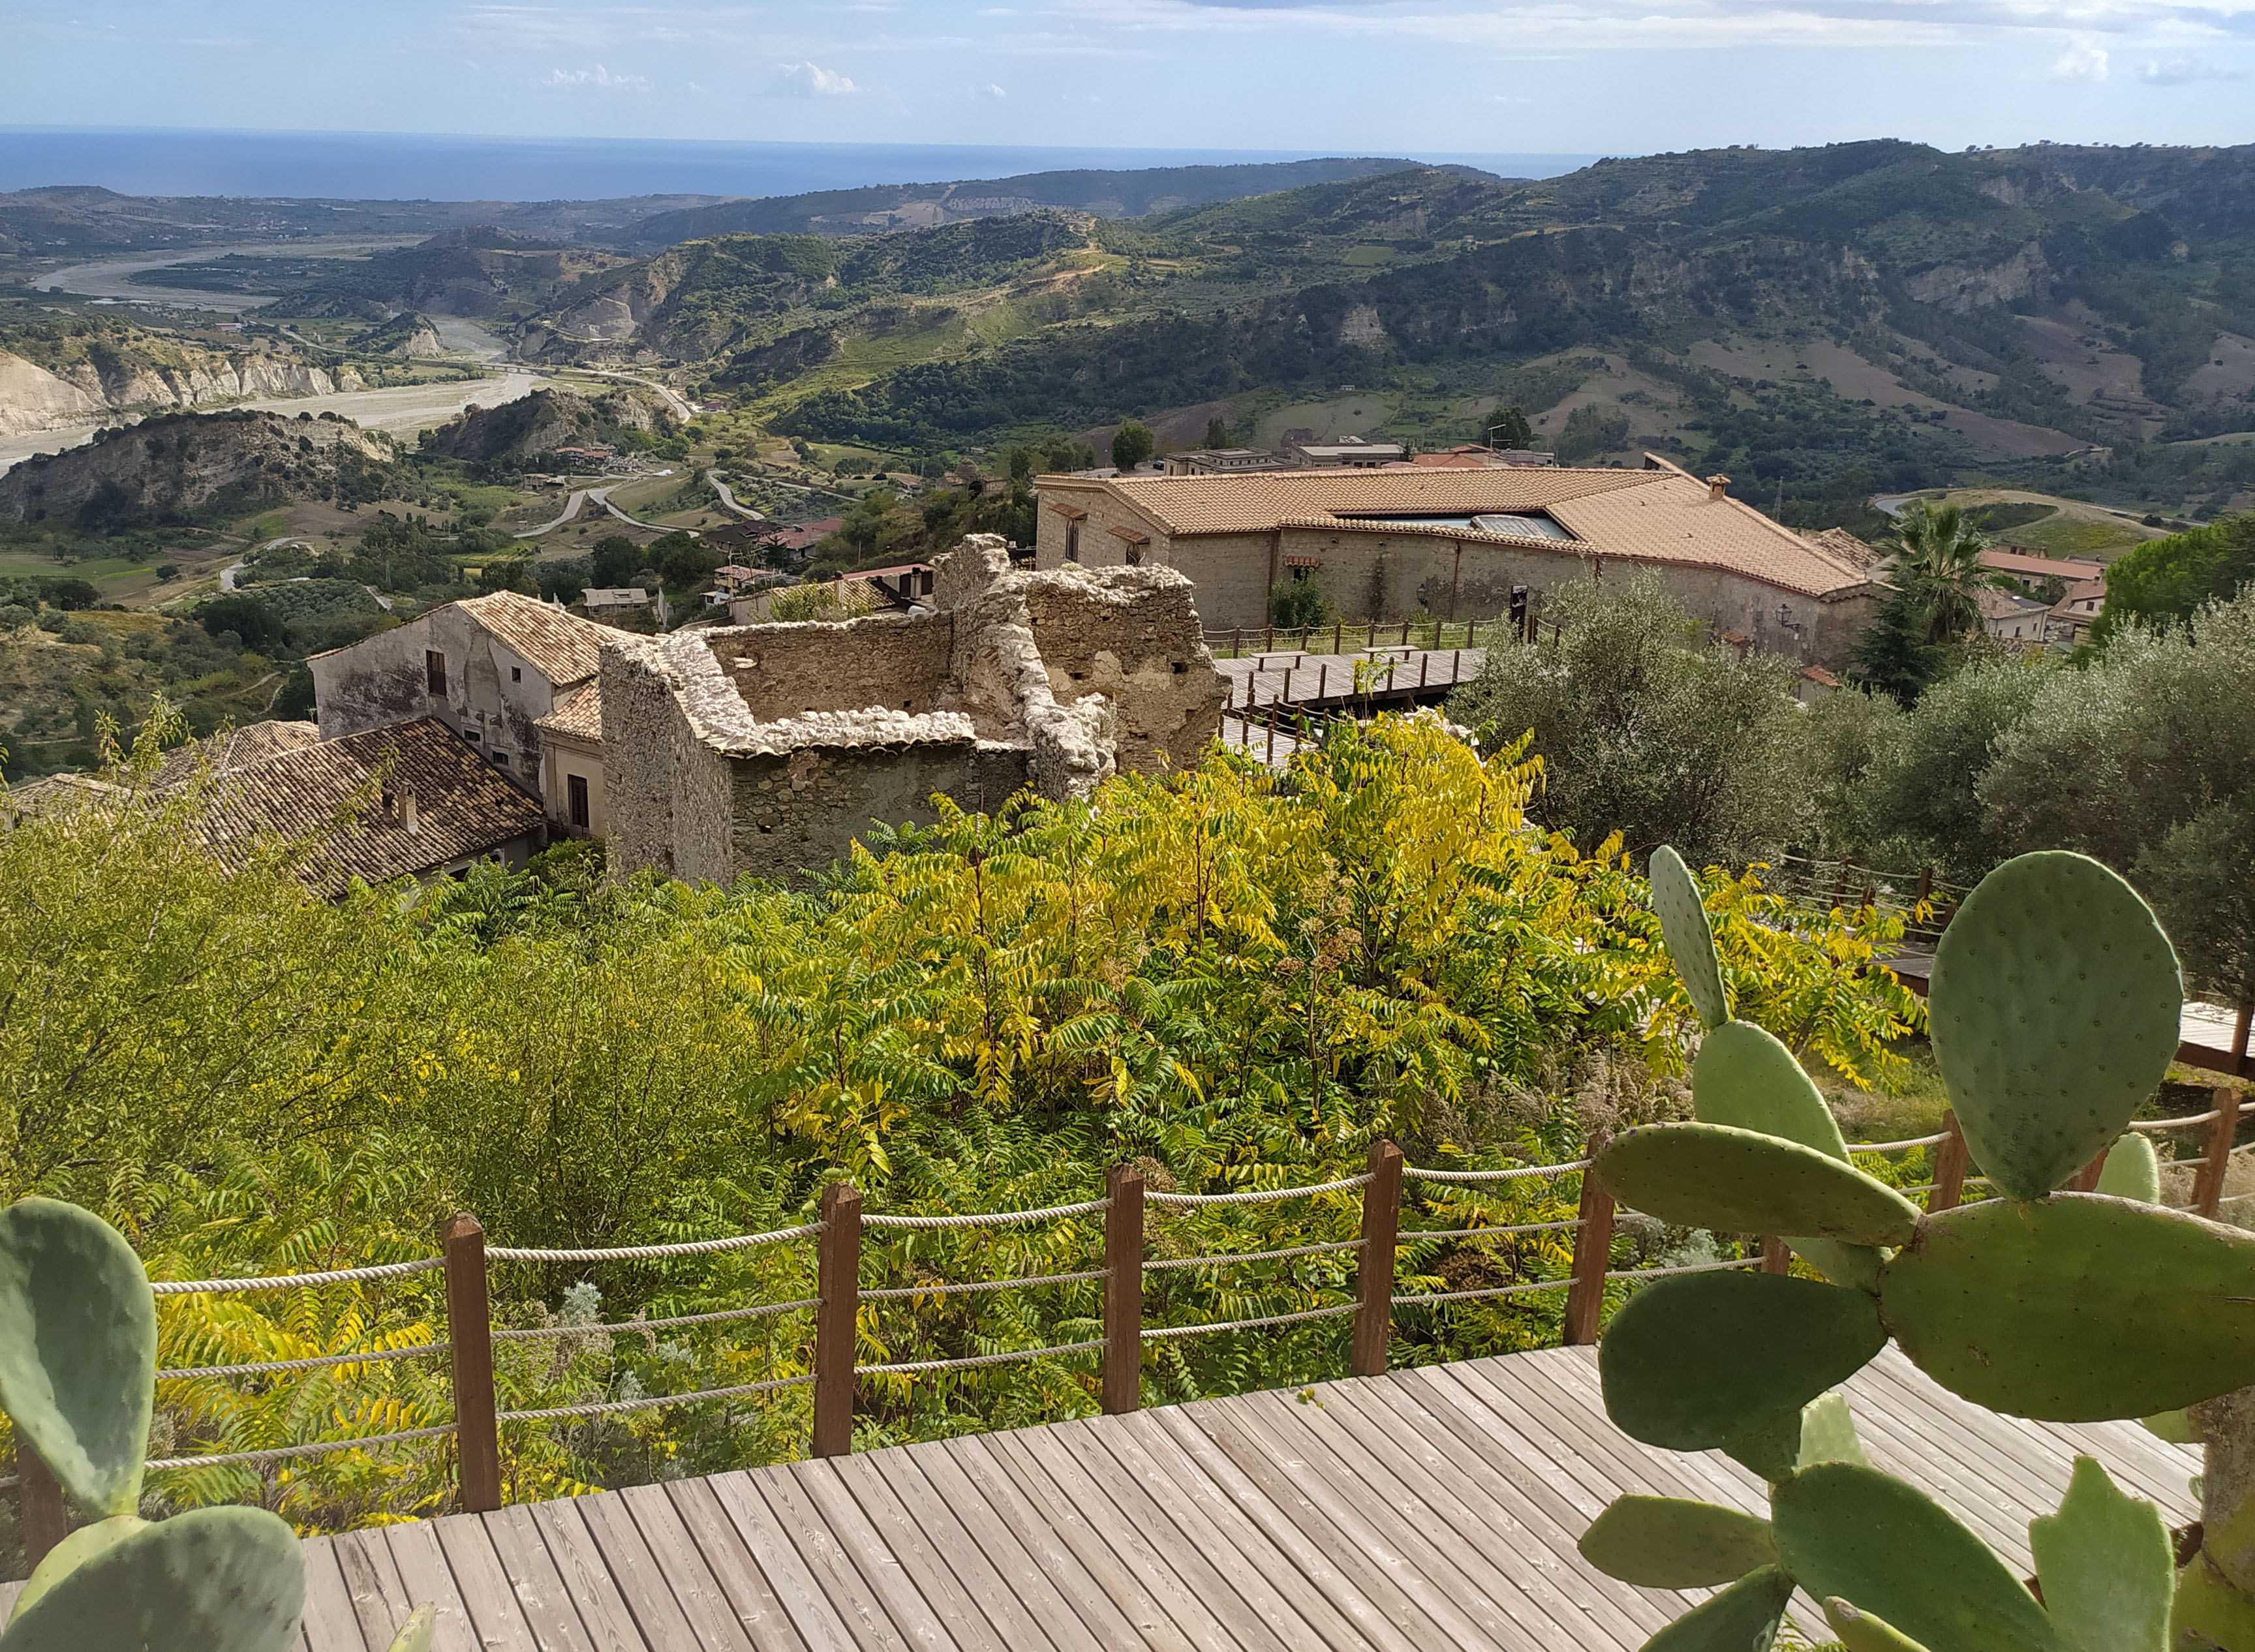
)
(493, 668)
(768, 749)
(1385, 545)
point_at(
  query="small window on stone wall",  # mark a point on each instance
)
(1072, 542)
(434, 672)
(516, 673)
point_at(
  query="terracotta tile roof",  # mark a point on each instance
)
(1846, 546)
(331, 793)
(2035, 565)
(1672, 520)
(579, 714)
(233, 748)
(562, 647)
(1183, 505)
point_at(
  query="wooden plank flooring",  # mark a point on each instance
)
(1430, 1508)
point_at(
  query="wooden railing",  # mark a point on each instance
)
(1124, 1268)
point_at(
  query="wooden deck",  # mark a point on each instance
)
(1430, 1508)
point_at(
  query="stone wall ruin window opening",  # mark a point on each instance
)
(434, 672)
(516, 673)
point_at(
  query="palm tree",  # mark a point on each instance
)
(1937, 565)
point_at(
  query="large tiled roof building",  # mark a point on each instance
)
(1385, 545)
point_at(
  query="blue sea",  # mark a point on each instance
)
(416, 166)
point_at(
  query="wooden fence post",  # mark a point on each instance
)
(838, 1274)
(1777, 1256)
(1381, 1226)
(2208, 1185)
(2086, 1179)
(1949, 1168)
(2239, 1029)
(469, 1329)
(39, 1496)
(1593, 1251)
(1123, 1292)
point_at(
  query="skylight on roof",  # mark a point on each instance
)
(1519, 525)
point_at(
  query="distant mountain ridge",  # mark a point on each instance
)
(1105, 194)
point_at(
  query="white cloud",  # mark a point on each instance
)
(810, 79)
(2082, 60)
(989, 93)
(598, 76)
(2184, 71)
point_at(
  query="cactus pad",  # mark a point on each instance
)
(1707, 1360)
(2132, 1170)
(1744, 1618)
(78, 1349)
(1737, 1181)
(1690, 941)
(1828, 1433)
(1860, 1631)
(2075, 1308)
(2106, 1567)
(416, 1633)
(1744, 1077)
(1857, 1535)
(2054, 1012)
(210, 1580)
(72, 1553)
(1670, 1543)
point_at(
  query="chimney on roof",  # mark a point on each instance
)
(1716, 486)
(407, 808)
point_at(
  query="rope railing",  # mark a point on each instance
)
(1169, 1334)
(312, 1448)
(937, 1289)
(1225, 1258)
(259, 1368)
(655, 1253)
(1591, 1286)
(1257, 1195)
(290, 1282)
(984, 1219)
(965, 1362)
(650, 1401)
(760, 1310)
(1511, 1174)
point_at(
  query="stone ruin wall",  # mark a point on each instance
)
(1134, 638)
(900, 661)
(768, 749)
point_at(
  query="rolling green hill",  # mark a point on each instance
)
(1815, 321)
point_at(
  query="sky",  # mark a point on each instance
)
(1392, 77)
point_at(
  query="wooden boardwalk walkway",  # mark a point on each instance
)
(1428, 1508)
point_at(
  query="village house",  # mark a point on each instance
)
(413, 799)
(1388, 544)
(496, 669)
(2012, 618)
(2073, 614)
(1355, 452)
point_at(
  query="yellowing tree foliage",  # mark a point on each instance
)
(1230, 977)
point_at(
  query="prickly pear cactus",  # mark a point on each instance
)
(78, 1351)
(2053, 1011)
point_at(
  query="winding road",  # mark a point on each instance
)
(578, 501)
(730, 499)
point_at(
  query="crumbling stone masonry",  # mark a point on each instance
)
(767, 749)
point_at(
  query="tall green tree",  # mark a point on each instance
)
(1508, 427)
(1645, 728)
(2166, 580)
(1131, 445)
(1937, 554)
